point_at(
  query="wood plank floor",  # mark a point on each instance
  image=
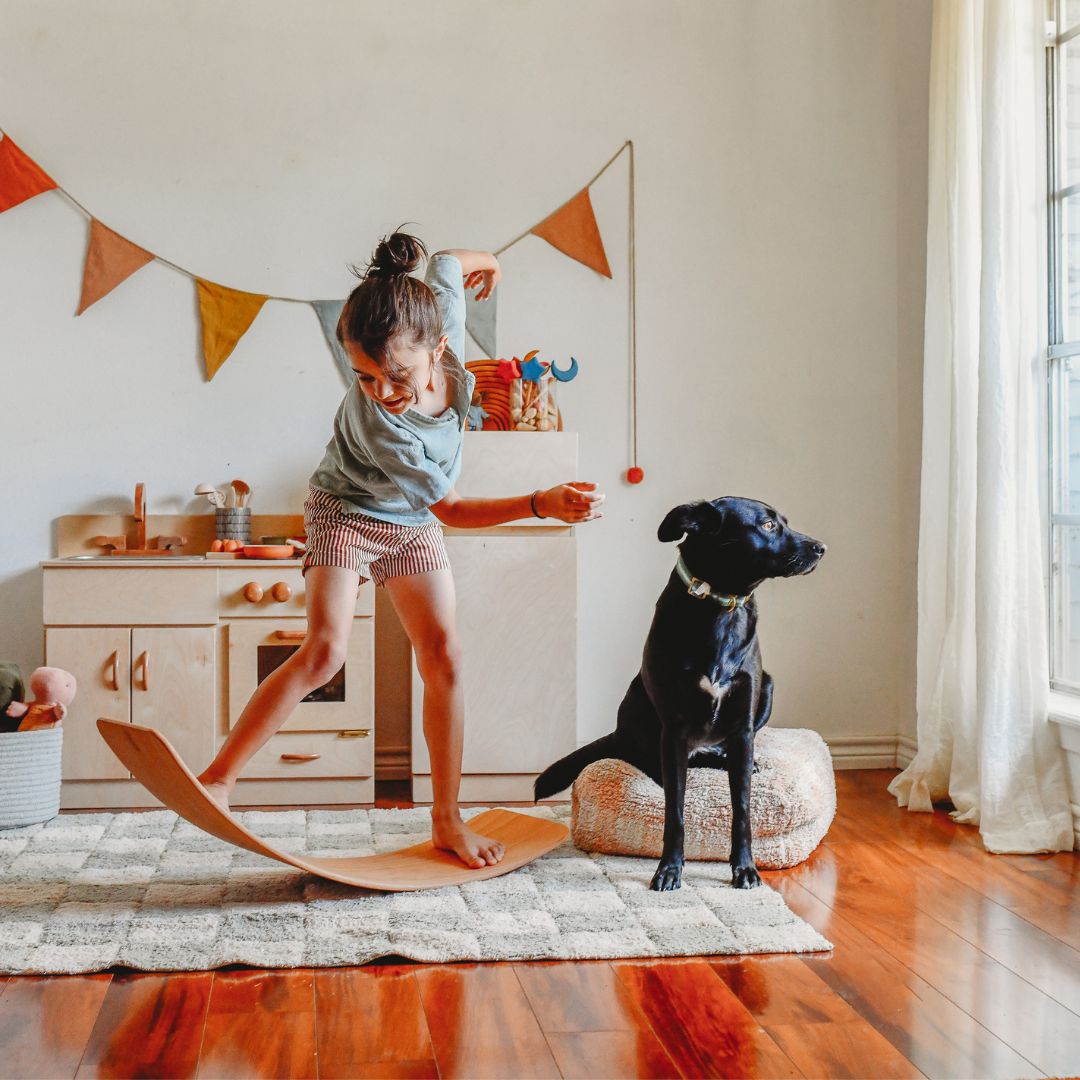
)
(948, 962)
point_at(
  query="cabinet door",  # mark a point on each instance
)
(517, 621)
(100, 661)
(172, 687)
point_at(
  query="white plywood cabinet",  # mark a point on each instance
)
(517, 623)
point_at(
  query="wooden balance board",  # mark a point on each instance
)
(157, 766)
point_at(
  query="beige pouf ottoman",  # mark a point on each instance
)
(618, 810)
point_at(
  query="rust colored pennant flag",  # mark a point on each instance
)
(20, 178)
(110, 259)
(573, 230)
(226, 315)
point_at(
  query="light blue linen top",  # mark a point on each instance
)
(394, 466)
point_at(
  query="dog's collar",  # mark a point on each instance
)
(701, 589)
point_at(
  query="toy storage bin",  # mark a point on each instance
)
(30, 776)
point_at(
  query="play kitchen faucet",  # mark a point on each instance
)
(117, 545)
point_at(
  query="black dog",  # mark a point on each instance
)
(701, 693)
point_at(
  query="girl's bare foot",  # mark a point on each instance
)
(219, 791)
(474, 850)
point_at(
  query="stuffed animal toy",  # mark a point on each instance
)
(11, 689)
(54, 690)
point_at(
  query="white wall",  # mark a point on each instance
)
(781, 160)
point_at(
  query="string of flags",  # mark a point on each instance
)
(226, 313)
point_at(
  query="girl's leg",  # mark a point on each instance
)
(331, 603)
(425, 605)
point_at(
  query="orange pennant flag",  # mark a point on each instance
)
(110, 259)
(226, 315)
(20, 178)
(573, 230)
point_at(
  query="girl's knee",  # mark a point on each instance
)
(321, 658)
(439, 656)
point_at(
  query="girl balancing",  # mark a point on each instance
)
(377, 500)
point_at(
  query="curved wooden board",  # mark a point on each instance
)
(157, 766)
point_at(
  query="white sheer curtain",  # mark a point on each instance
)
(984, 741)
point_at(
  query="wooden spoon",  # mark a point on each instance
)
(242, 491)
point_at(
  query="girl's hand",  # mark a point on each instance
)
(574, 502)
(486, 279)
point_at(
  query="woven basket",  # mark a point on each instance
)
(30, 776)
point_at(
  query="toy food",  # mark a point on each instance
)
(53, 690)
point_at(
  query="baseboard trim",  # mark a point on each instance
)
(866, 752)
(848, 752)
(393, 763)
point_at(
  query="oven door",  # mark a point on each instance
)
(256, 647)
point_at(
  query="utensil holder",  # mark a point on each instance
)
(233, 523)
(30, 776)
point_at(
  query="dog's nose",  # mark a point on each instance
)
(820, 549)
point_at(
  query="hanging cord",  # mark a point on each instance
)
(633, 316)
(634, 475)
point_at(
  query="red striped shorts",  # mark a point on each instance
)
(375, 549)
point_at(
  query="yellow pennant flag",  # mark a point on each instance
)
(573, 230)
(226, 315)
(110, 259)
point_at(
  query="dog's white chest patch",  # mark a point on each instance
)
(717, 691)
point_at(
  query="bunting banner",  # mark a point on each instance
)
(572, 229)
(226, 315)
(480, 322)
(20, 178)
(329, 311)
(110, 259)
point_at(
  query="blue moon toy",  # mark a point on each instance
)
(564, 376)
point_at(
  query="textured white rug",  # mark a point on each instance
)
(149, 891)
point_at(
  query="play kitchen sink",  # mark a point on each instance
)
(105, 539)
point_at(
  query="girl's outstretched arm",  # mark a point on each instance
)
(573, 503)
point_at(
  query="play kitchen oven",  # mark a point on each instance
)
(263, 609)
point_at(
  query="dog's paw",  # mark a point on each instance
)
(668, 876)
(745, 877)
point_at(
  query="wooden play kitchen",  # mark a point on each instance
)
(167, 634)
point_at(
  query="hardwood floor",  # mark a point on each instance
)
(948, 962)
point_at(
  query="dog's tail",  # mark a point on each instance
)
(564, 772)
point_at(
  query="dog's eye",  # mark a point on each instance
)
(768, 526)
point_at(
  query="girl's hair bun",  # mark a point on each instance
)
(397, 254)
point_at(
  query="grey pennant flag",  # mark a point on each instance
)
(480, 322)
(328, 312)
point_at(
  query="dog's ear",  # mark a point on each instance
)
(687, 518)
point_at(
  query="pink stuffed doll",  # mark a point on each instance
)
(53, 690)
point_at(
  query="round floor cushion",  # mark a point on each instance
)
(618, 810)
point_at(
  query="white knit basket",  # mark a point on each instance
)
(30, 776)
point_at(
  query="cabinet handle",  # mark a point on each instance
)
(114, 675)
(144, 660)
(290, 635)
(300, 757)
(354, 733)
(281, 592)
(253, 592)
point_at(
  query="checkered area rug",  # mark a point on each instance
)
(149, 891)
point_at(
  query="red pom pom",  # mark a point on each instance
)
(635, 475)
